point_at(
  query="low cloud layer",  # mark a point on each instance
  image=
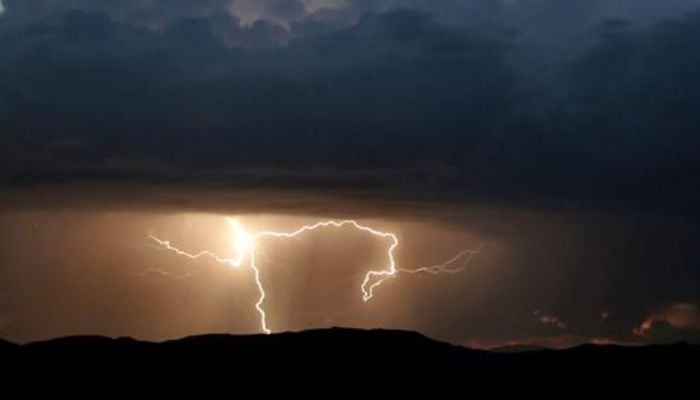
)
(400, 97)
(671, 320)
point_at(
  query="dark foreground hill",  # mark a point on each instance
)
(371, 355)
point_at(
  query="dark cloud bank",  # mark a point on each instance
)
(542, 105)
(491, 106)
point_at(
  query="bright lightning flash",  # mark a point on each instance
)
(245, 248)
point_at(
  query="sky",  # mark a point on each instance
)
(558, 135)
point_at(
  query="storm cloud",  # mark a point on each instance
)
(400, 97)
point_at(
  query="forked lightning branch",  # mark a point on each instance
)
(245, 245)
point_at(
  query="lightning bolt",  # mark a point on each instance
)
(165, 244)
(245, 247)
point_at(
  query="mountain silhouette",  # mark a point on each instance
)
(339, 354)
